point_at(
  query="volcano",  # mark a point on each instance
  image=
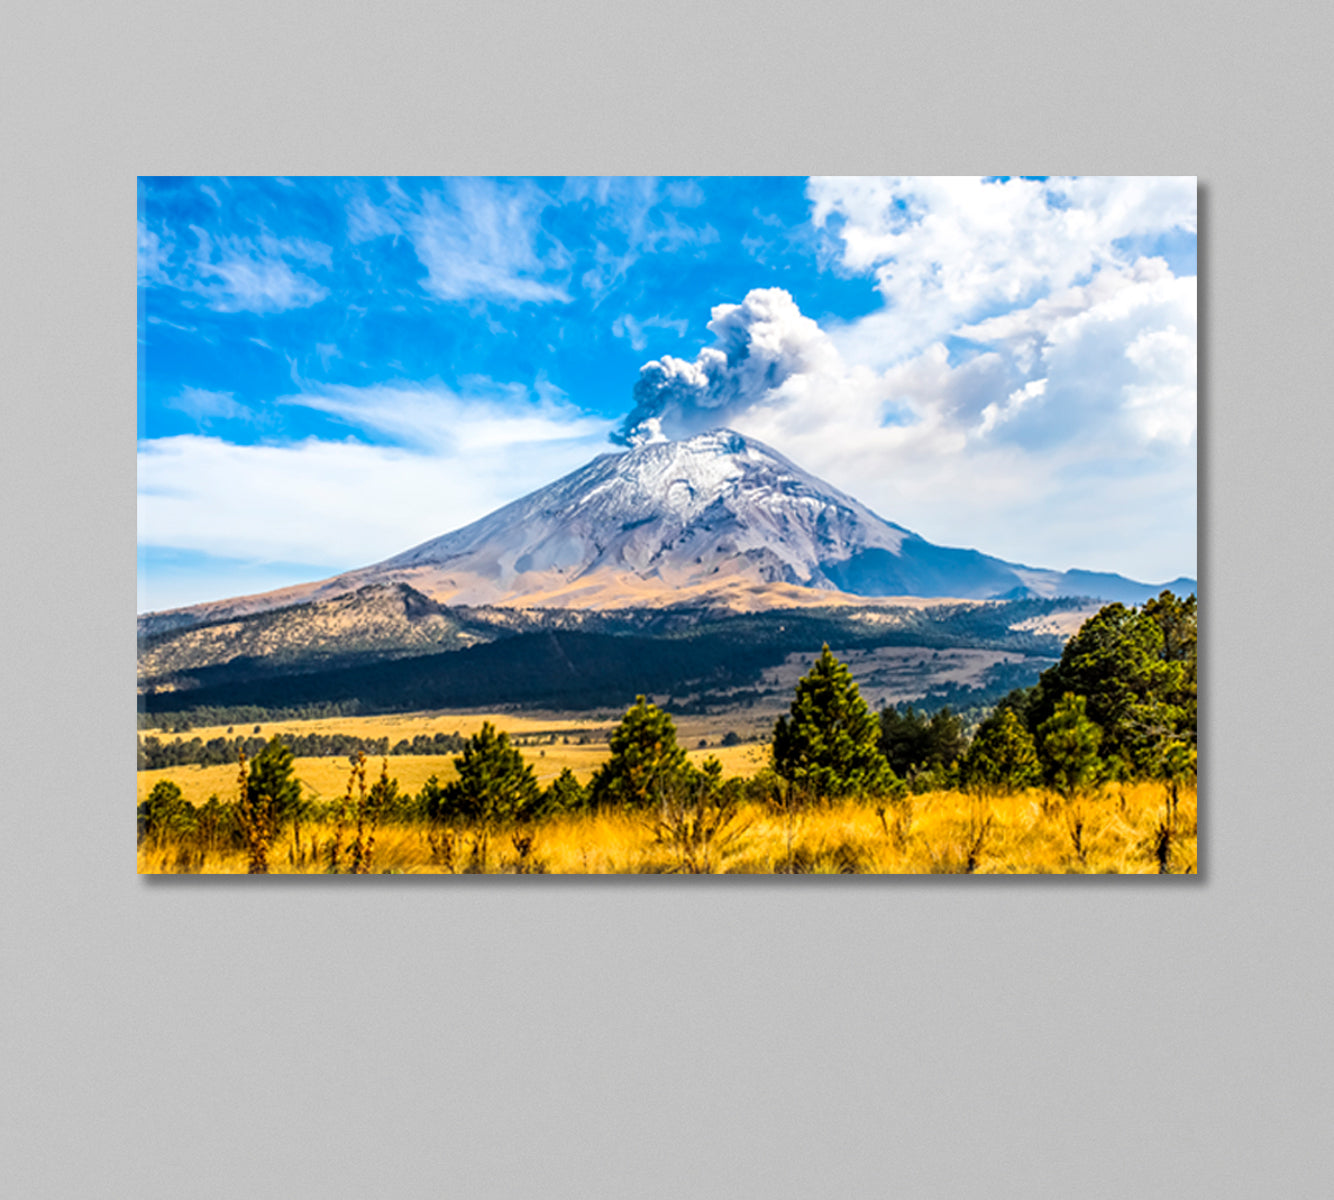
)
(717, 518)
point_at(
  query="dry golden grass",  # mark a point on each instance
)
(324, 779)
(1119, 830)
(396, 726)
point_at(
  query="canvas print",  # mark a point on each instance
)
(667, 525)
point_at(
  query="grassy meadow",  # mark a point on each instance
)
(543, 740)
(1117, 828)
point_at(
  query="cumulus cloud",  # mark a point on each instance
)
(948, 250)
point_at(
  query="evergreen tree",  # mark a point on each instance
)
(902, 738)
(911, 742)
(829, 745)
(1175, 765)
(945, 741)
(272, 786)
(645, 760)
(1137, 670)
(431, 801)
(494, 784)
(566, 794)
(1069, 742)
(165, 812)
(384, 799)
(216, 826)
(1002, 756)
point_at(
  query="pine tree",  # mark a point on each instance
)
(1069, 742)
(566, 794)
(166, 811)
(645, 760)
(431, 801)
(829, 746)
(1002, 756)
(273, 785)
(912, 742)
(494, 785)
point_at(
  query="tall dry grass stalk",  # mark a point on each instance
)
(698, 831)
(256, 822)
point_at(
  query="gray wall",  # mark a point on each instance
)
(633, 1037)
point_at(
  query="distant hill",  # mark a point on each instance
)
(565, 659)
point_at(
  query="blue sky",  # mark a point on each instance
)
(332, 370)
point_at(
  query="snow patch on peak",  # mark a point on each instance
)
(682, 477)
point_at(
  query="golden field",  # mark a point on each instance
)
(325, 779)
(1121, 829)
(396, 726)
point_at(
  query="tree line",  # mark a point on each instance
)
(155, 754)
(183, 720)
(1120, 704)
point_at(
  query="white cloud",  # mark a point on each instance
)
(483, 244)
(627, 326)
(634, 214)
(366, 221)
(154, 253)
(347, 503)
(435, 418)
(484, 239)
(995, 413)
(206, 406)
(240, 274)
(686, 193)
(234, 273)
(477, 239)
(948, 250)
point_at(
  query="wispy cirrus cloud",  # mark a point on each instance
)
(154, 252)
(633, 217)
(235, 272)
(636, 331)
(256, 274)
(477, 239)
(434, 418)
(206, 407)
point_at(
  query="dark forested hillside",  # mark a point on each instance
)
(712, 655)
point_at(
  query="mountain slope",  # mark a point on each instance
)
(372, 623)
(717, 518)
